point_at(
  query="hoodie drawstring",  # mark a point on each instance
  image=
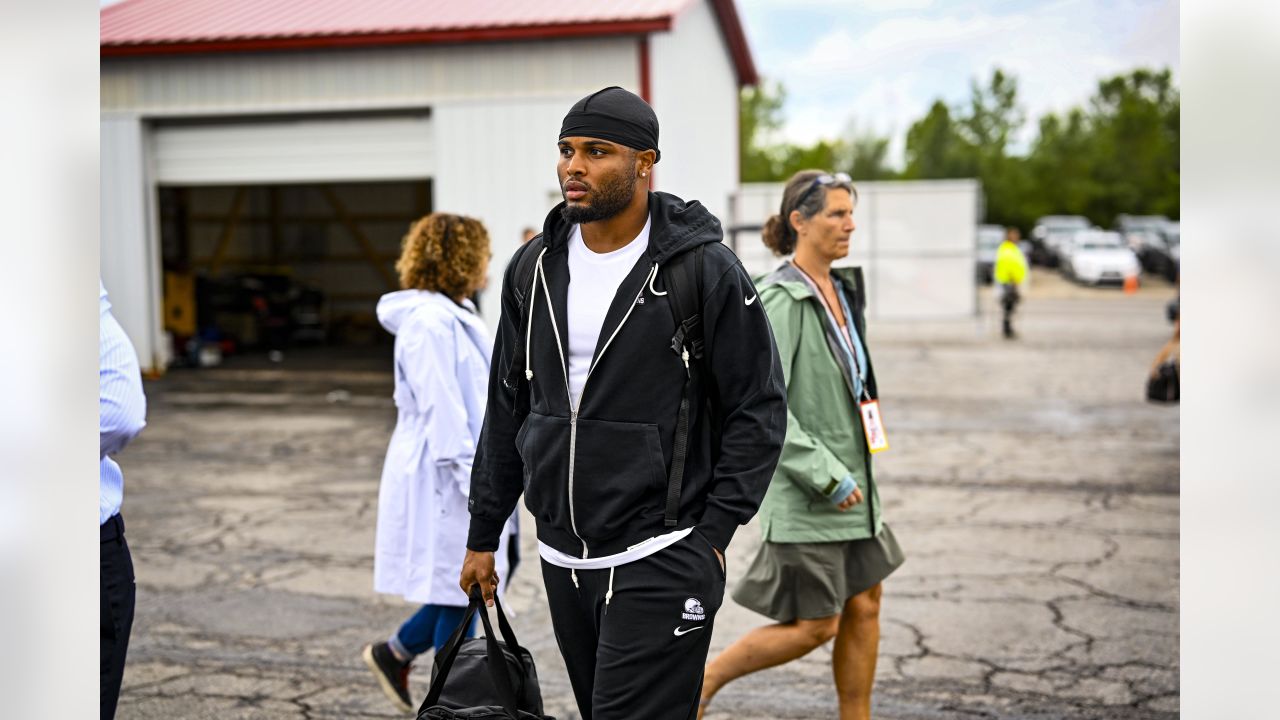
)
(653, 275)
(574, 574)
(533, 303)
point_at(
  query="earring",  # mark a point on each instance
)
(644, 174)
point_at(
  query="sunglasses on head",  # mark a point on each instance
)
(825, 179)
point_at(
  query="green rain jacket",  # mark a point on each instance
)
(825, 440)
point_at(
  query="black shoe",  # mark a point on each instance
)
(392, 674)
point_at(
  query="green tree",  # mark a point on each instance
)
(936, 149)
(864, 154)
(994, 115)
(992, 120)
(1119, 154)
(1061, 165)
(1135, 119)
(760, 111)
(794, 158)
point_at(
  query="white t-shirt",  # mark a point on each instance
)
(593, 281)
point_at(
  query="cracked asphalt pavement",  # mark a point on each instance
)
(1034, 492)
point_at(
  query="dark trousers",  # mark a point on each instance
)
(1009, 302)
(643, 655)
(116, 596)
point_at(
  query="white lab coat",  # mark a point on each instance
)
(442, 373)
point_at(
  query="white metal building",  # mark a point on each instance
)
(309, 133)
(916, 241)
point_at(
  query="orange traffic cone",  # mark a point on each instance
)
(1130, 284)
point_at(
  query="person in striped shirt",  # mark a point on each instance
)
(122, 409)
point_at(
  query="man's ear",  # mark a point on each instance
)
(644, 161)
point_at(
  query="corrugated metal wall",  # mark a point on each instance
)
(695, 93)
(494, 109)
(295, 149)
(362, 78)
(130, 258)
(496, 161)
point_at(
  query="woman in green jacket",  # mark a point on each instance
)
(825, 549)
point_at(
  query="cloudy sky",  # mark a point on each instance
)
(882, 63)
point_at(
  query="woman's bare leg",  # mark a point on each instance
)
(853, 660)
(763, 648)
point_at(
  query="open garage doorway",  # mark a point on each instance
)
(260, 275)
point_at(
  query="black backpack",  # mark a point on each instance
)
(683, 281)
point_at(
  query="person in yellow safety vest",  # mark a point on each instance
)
(1009, 273)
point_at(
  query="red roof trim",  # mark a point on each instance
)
(736, 39)
(534, 32)
(644, 69)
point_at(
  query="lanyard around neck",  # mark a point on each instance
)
(846, 335)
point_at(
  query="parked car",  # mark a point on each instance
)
(1100, 256)
(1058, 244)
(1127, 223)
(1158, 252)
(1049, 232)
(1154, 238)
(989, 239)
(1173, 240)
(1140, 229)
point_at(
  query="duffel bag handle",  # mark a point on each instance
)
(495, 658)
(503, 624)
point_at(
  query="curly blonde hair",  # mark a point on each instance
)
(444, 253)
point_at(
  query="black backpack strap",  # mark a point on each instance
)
(684, 288)
(523, 282)
(524, 268)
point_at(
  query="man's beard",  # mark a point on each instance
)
(609, 198)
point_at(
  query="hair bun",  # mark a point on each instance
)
(776, 237)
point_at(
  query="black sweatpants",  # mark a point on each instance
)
(116, 596)
(642, 656)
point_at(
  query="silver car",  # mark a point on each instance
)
(1100, 256)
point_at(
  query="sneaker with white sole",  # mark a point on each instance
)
(392, 675)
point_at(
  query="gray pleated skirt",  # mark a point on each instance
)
(806, 581)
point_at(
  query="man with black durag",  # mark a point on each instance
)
(635, 501)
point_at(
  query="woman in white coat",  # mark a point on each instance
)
(442, 351)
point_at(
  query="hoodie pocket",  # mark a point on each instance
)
(543, 444)
(619, 475)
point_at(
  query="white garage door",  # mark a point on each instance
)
(294, 150)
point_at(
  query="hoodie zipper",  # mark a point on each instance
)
(575, 406)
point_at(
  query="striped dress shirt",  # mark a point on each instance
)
(122, 408)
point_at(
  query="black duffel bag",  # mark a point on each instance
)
(1163, 386)
(483, 678)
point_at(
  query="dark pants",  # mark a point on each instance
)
(116, 596)
(643, 655)
(1009, 301)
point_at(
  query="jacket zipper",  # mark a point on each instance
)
(574, 407)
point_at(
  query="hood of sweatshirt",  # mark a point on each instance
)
(394, 308)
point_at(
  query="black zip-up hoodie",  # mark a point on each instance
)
(595, 479)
